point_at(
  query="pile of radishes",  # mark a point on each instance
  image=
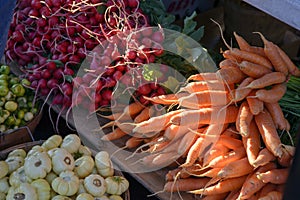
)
(50, 39)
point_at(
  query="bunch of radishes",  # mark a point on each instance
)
(50, 39)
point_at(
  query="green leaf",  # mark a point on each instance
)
(57, 62)
(189, 24)
(151, 72)
(69, 78)
(198, 34)
(172, 83)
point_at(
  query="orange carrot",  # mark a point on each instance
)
(236, 169)
(245, 46)
(215, 196)
(256, 105)
(267, 80)
(273, 195)
(253, 70)
(167, 99)
(233, 195)
(275, 176)
(241, 91)
(229, 142)
(271, 51)
(206, 116)
(230, 75)
(293, 69)
(244, 118)
(186, 142)
(204, 85)
(185, 184)
(172, 174)
(205, 98)
(228, 63)
(204, 76)
(252, 184)
(231, 132)
(204, 143)
(277, 115)
(133, 142)
(286, 159)
(226, 185)
(155, 124)
(266, 189)
(132, 109)
(252, 143)
(272, 95)
(115, 134)
(264, 156)
(216, 151)
(144, 115)
(240, 55)
(268, 132)
(211, 172)
(230, 156)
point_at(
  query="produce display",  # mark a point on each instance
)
(222, 130)
(17, 106)
(60, 168)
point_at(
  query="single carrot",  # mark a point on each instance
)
(267, 80)
(228, 63)
(229, 142)
(268, 132)
(275, 176)
(236, 169)
(252, 143)
(132, 109)
(252, 184)
(286, 159)
(206, 116)
(273, 195)
(133, 142)
(241, 91)
(204, 76)
(230, 156)
(230, 75)
(240, 55)
(210, 172)
(144, 115)
(293, 69)
(156, 123)
(115, 134)
(256, 105)
(264, 156)
(232, 132)
(253, 70)
(205, 98)
(185, 184)
(277, 115)
(233, 195)
(159, 145)
(245, 46)
(266, 189)
(272, 95)
(244, 119)
(215, 196)
(199, 86)
(186, 143)
(166, 99)
(271, 51)
(226, 185)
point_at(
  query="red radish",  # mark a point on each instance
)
(106, 94)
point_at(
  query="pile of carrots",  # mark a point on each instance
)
(220, 134)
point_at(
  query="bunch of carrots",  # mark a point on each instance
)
(221, 129)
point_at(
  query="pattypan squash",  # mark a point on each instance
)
(18, 177)
(104, 164)
(66, 184)
(60, 197)
(52, 142)
(4, 185)
(95, 185)
(2, 196)
(115, 197)
(103, 197)
(35, 149)
(84, 196)
(84, 166)
(14, 162)
(116, 185)
(84, 150)
(71, 143)
(62, 160)
(42, 188)
(37, 165)
(25, 192)
(18, 152)
(4, 169)
(81, 188)
(50, 177)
